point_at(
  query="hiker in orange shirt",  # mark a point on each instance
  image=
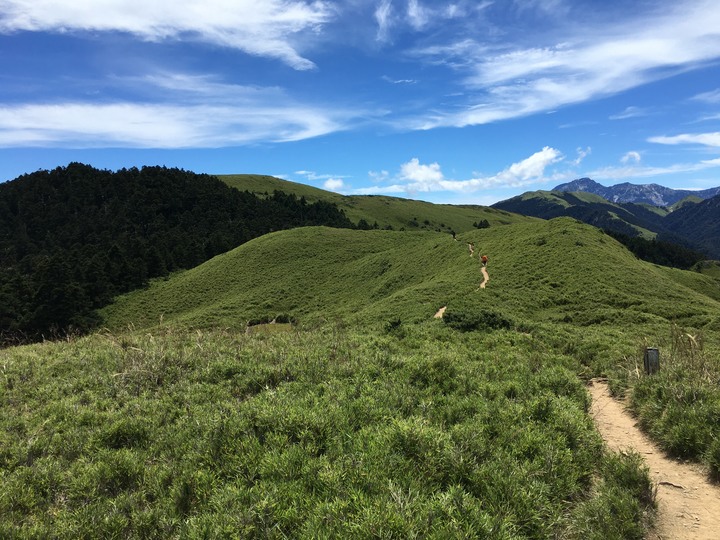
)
(484, 260)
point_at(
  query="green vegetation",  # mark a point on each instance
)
(685, 235)
(74, 237)
(356, 414)
(383, 212)
(709, 268)
(330, 433)
(690, 199)
(554, 271)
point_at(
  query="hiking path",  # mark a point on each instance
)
(688, 503)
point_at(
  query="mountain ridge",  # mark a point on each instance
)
(626, 192)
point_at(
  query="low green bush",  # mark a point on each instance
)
(713, 459)
(469, 320)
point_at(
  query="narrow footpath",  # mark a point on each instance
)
(688, 504)
(485, 275)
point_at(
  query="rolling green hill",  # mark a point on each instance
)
(654, 234)
(627, 218)
(395, 212)
(371, 418)
(558, 270)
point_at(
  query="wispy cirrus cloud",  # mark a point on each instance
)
(384, 17)
(195, 111)
(629, 112)
(133, 125)
(708, 97)
(633, 171)
(581, 155)
(506, 80)
(398, 81)
(704, 139)
(265, 28)
(415, 177)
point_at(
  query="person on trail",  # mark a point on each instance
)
(471, 247)
(484, 260)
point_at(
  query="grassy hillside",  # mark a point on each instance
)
(369, 418)
(629, 219)
(419, 431)
(395, 212)
(260, 184)
(690, 199)
(559, 270)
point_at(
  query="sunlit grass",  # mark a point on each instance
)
(332, 432)
(365, 416)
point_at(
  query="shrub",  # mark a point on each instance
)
(713, 459)
(469, 320)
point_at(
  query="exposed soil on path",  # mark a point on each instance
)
(688, 504)
(485, 275)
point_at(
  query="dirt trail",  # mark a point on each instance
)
(688, 504)
(485, 275)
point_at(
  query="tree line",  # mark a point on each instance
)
(74, 237)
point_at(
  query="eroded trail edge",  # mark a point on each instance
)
(688, 504)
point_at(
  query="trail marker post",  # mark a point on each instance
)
(652, 360)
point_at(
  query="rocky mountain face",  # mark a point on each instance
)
(626, 192)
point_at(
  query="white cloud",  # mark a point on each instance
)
(264, 28)
(197, 111)
(581, 155)
(631, 156)
(528, 171)
(398, 81)
(313, 176)
(709, 97)
(706, 139)
(591, 62)
(416, 177)
(629, 112)
(418, 16)
(384, 19)
(425, 175)
(624, 173)
(131, 125)
(334, 184)
(378, 176)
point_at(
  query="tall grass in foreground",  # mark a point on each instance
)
(680, 405)
(417, 431)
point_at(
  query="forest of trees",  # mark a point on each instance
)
(74, 237)
(659, 251)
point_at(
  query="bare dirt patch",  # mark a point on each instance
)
(440, 312)
(688, 504)
(485, 276)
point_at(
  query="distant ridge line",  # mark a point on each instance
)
(626, 192)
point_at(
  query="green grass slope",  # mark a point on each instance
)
(394, 212)
(311, 274)
(333, 433)
(373, 419)
(630, 219)
(555, 271)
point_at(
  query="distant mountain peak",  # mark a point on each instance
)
(581, 184)
(626, 192)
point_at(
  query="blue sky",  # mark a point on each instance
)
(455, 102)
